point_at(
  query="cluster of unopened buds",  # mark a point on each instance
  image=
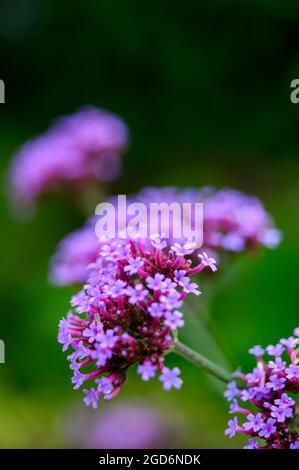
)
(128, 312)
(266, 398)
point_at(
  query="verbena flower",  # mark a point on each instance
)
(233, 221)
(123, 318)
(75, 150)
(265, 396)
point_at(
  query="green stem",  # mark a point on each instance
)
(201, 361)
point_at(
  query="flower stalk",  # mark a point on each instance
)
(201, 361)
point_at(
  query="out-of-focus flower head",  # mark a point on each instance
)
(127, 425)
(265, 397)
(74, 253)
(232, 222)
(75, 150)
(127, 314)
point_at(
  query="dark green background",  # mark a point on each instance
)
(205, 89)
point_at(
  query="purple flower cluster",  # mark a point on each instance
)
(266, 397)
(76, 149)
(129, 424)
(126, 314)
(233, 221)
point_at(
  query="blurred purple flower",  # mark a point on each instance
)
(233, 221)
(73, 255)
(225, 213)
(256, 351)
(129, 425)
(76, 149)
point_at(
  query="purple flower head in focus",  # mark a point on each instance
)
(123, 318)
(270, 410)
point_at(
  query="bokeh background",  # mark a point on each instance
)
(204, 87)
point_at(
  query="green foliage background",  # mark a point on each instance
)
(204, 87)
